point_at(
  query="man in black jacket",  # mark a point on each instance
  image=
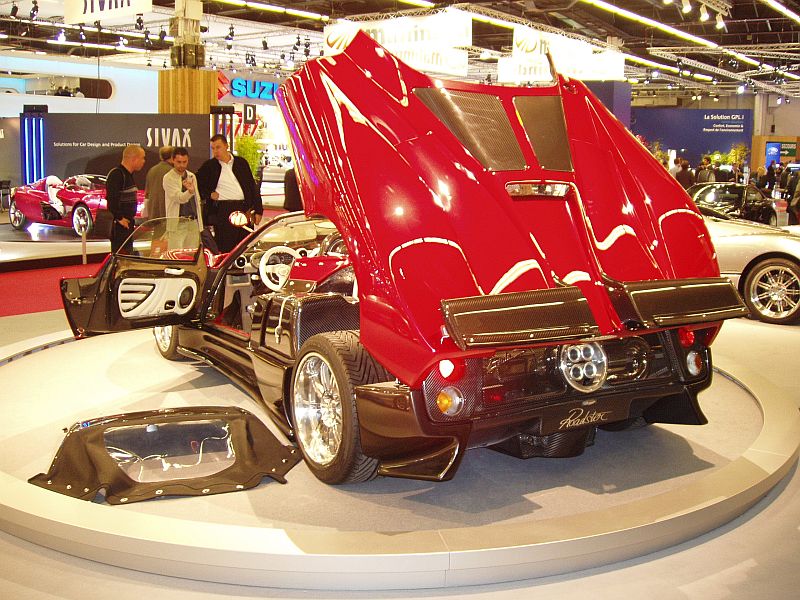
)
(121, 192)
(226, 185)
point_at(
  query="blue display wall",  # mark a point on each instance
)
(694, 132)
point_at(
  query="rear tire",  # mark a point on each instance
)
(772, 291)
(167, 341)
(323, 406)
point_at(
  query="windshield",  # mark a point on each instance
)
(166, 239)
(710, 212)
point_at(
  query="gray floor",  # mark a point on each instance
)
(757, 555)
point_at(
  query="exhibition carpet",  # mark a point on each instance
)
(37, 290)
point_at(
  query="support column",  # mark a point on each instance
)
(186, 91)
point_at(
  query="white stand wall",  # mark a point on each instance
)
(135, 90)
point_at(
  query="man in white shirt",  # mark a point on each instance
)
(180, 200)
(226, 184)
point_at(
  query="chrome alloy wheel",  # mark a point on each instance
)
(81, 219)
(163, 337)
(775, 292)
(317, 409)
(15, 216)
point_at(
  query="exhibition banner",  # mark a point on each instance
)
(772, 153)
(428, 43)
(573, 58)
(691, 132)
(87, 143)
(106, 11)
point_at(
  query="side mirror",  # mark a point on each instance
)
(239, 219)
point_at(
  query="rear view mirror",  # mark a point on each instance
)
(239, 219)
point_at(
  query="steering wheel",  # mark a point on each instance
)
(275, 265)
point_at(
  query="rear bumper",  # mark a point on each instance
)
(396, 429)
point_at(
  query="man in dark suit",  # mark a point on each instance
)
(226, 184)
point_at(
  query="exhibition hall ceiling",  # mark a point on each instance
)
(721, 46)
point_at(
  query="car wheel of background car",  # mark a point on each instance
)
(167, 341)
(772, 291)
(81, 219)
(323, 406)
(15, 216)
(275, 266)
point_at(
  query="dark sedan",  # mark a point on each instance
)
(737, 200)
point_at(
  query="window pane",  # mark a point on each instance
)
(169, 451)
(480, 124)
(543, 120)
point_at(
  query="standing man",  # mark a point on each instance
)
(121, 197)
(179, 188)
(154, 188)
(226, 185)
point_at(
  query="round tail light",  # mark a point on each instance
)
(450, 401)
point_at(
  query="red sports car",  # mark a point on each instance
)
(477, 266)
(69, 203)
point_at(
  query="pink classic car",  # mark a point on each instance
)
(69, 203)
(477, 266)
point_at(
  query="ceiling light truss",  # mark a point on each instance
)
(57, 24)
(735, 53)
(787, 89)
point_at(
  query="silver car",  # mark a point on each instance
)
(763, 262)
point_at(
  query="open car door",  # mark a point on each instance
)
(160, 283)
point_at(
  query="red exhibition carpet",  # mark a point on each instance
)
(37, 290)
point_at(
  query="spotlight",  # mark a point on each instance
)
(148, 43)
(788, 100)
(61, 37)
(720, 22)
(714, 81)
(716, 98)
(228, 44)
(121, 43)
(667, 1)
(703, 13)
(655, 73)
(139, 23)
(265, 44)
(14, 10)
(741, 89)
(98, 26)
(687, 6)
(162, 35)
(34, 10)
(81, 34)
(779, 101)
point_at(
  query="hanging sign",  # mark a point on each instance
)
(427, 43)
(105, 11)
(573, 58)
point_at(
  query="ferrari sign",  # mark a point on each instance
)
(106, 11)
